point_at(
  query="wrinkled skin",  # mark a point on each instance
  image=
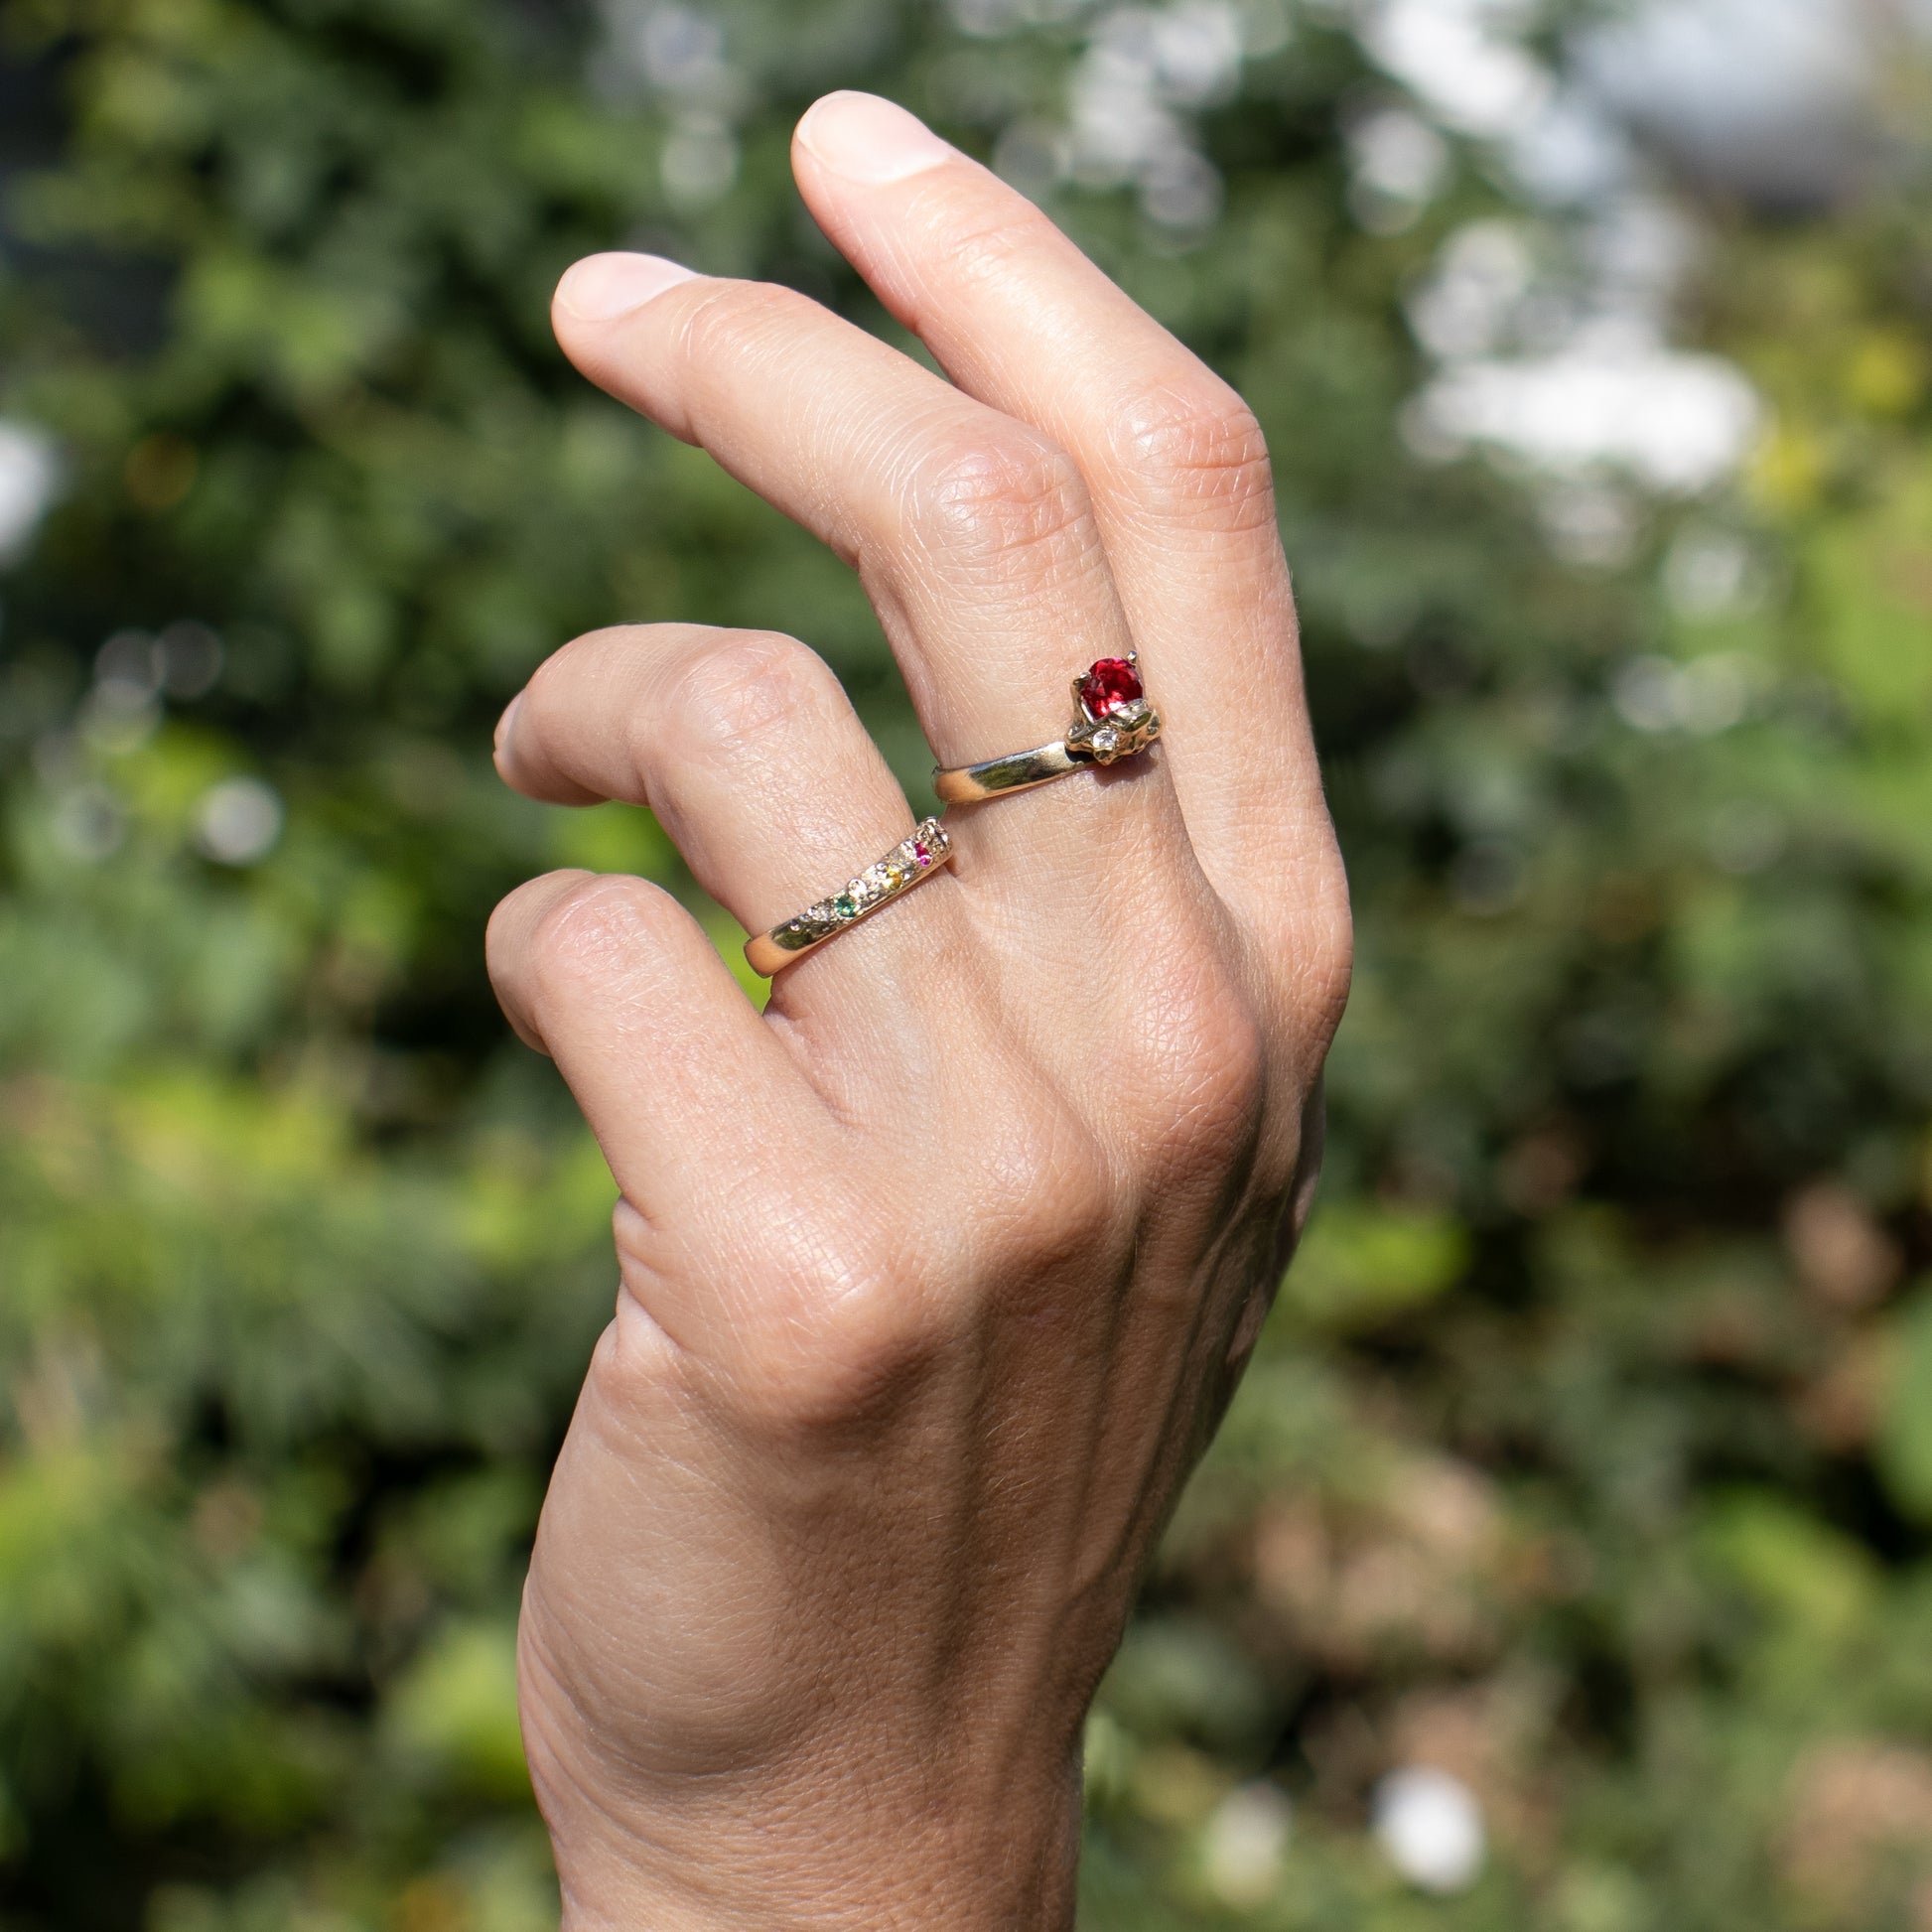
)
(936, 1277)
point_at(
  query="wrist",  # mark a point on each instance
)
(862, 1848)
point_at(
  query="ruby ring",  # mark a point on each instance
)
(1114, 721)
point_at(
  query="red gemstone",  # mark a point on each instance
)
(920, 853)
(1109, 686)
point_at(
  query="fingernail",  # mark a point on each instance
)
(600, 288)
(505, 725)
(869, 140)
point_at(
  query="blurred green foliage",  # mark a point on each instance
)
(1589, 1457)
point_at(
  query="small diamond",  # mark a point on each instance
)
(1106, 741)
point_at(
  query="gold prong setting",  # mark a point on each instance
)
(1119, 735)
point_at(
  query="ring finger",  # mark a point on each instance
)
(748, 751)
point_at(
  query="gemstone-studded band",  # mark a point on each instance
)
(1114, 721)
(906, 864)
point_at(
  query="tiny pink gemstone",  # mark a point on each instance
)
(921, 854)
(1109, 686)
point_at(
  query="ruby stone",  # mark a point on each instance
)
(1111, 686)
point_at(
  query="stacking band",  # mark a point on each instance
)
(1114, 721)
(910, 863)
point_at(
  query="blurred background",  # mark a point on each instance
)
(1567, 1563)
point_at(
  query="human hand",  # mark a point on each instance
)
(936, 1276)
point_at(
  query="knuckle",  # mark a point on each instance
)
(1309, 949)
(1200, 1057)
(1220, 1050)
(848, 1326)
(1038, 1179)
(998, 491)
(1060, 1188)
(1196, 443)
(1329, 968)
(741, 692)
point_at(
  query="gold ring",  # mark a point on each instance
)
(910, 863)
(1114, 721)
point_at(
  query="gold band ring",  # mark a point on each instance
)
(910, 863)
(1114, 721)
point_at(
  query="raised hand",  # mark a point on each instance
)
(937, 1275)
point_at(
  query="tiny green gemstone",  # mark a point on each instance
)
(845, 906)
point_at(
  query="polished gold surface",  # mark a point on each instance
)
(967, 784)
(1092, 741)
(910, 863)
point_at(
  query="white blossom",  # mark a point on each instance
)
(1245, 1844)
(30, 479)
(1677, 422)
(239, 821)
(1397, 155)
(1431, 1826)
(1461, 60)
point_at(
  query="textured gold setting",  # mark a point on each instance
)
(1106, 741)
(910, 863)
